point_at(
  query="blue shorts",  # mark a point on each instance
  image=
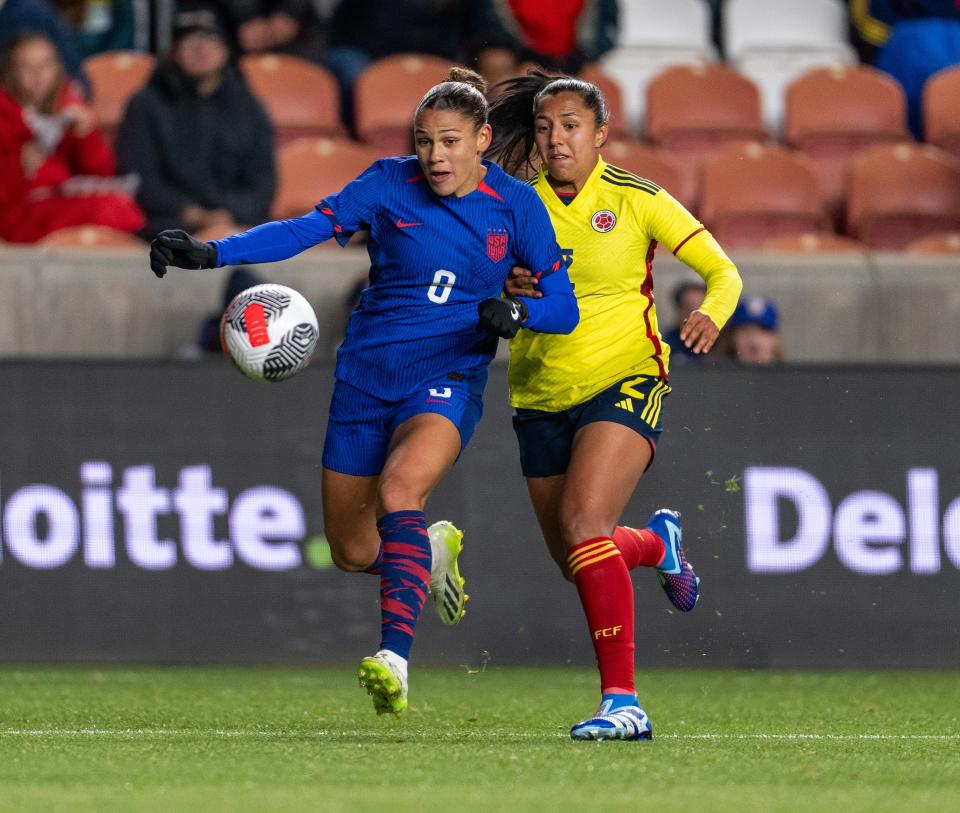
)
(546, 438)
(360, 426)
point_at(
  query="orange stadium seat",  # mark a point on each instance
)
(653, 35)
(114, 77)
(617, 125)
(832, 113)
(947, 242)
(387, 94)
(941, 110)
(814, 243)
(753, 191)
(774, 41)
(302, 99)
(309, 168)
(902, 192)
(694, 110)
(90, 237)
(653, 164)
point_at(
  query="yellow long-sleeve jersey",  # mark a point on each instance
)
(608, 234)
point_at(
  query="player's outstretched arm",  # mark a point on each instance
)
(269, 242)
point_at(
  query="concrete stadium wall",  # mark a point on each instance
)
(106, 303)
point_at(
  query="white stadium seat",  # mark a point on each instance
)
(654, 35)
(774, 41)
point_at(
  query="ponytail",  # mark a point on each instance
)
(463, 92)
(512, 116)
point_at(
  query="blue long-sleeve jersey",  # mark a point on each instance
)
(433, 260)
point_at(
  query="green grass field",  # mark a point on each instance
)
(87, 739)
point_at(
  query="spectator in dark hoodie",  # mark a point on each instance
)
(200, 142)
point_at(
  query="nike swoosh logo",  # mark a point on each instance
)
(402, 225)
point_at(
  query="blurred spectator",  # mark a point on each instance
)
(200, 142)
(56, 166)
(915, 51)
(753, 332)
(19, 16)
(99, 25)
(363, 31)
(687, 297)
(276, 25)
(208, 335)
(872, 21)
(563, 36)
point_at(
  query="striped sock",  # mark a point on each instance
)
(606, 593)
(640, 547)
(404, 578)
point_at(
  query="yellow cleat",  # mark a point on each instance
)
(446, 583)
(384, 676)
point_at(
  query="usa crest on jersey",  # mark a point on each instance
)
(496, 244)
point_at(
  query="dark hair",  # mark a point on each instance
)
(512, 114)
(463, 92)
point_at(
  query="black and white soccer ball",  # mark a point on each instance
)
(269, 332)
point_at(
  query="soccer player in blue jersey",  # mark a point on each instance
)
(445, 228)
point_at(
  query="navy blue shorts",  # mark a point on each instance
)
(360, 425)
(546, 438)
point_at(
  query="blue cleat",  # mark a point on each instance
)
(675, 574)
(618, 718)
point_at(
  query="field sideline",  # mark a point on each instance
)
(228, 739)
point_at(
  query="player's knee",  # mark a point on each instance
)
(578, 525)
(395, 494)
(349, 558)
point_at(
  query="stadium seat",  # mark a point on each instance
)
(302, 99)
(775, 41)
(940, 243)
(902, 192)
(814, 243)
(387, 94)
(654, 35)
(941, 110)
(308, 169)
(114, 77)
(694, 110)
(617, 125)
(90, 237)
(832, 113)
(754, 191)
(652, 164)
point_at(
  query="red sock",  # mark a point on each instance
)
(640, 547)
(606, 593)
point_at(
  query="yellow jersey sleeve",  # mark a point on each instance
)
(689, 241)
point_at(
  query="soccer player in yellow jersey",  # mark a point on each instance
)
(589, 405)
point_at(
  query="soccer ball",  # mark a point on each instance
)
(269, 332)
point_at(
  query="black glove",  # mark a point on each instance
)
(176, 247)
(502, 317)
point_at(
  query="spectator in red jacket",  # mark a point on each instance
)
(57, 169)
